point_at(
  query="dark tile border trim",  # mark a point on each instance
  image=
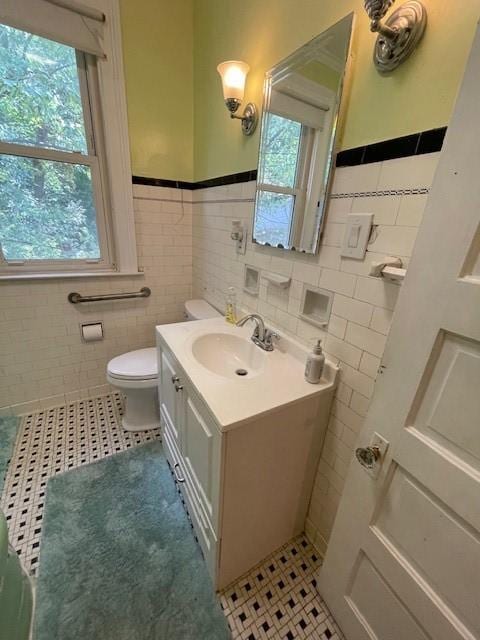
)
(161, 182)
(412, 145)
(234, 178)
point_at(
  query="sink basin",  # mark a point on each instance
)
(227, 355)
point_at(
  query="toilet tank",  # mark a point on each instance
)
(200, 310)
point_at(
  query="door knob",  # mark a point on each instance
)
(175, 379)
(178, 387)
(368, 456)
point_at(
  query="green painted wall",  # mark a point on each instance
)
(158, 58)
(418, 96)
(321, 74)
(179, 128)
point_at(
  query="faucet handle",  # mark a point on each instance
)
(270, 336)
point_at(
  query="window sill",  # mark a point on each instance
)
(68, 275)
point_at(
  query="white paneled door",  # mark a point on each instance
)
(403, 562)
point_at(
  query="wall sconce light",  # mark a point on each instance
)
(234, 74)
(399, 35)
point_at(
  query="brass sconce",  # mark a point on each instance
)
(398, 35)
(234, 74)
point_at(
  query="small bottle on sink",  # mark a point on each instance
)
(231, 306)
(315, 363)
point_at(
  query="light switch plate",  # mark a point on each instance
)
(357, 233)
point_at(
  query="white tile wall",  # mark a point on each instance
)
(42, 358)
(362, 306)
(43, 361)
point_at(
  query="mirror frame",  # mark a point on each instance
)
(282, 68)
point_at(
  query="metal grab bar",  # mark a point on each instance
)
(75, 297)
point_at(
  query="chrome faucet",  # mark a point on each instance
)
(261, 336)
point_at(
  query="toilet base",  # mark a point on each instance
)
(145, 427)
(141, 411)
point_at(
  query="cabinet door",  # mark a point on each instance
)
(170, 397)
(201, 453)
(204, 532)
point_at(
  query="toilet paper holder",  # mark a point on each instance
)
(92, 331)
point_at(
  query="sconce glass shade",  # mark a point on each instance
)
(233, 74)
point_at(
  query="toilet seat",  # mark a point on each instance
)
(134, 365)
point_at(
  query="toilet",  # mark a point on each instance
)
(135, 374)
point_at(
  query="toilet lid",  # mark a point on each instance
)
(135, 365)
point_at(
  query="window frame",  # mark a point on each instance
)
(102, 89)
(302, 175)
(94, 159)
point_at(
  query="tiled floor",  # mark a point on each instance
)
(277, 599)
(50, 442)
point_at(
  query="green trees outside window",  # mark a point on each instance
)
(47, 207)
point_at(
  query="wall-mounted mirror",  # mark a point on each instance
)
(300, 111)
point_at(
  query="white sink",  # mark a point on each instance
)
(228, 355)
(212, 351)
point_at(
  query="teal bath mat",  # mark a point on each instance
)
(118, 559)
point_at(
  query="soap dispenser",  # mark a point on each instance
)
(315, 363)
(231, 306)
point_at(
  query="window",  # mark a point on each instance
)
(52, 191)
(282, 184)
(64, 210)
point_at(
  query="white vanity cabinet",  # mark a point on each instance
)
(246, 487)
(192, 446)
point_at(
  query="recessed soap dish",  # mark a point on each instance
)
(316, 306)
(251, 282)
(277, 279)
